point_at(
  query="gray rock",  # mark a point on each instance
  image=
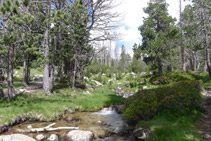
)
(67, 110)
(121, 129)
(77, 108)
(118, 108)
(53, 137)
(142, 133)
(16, 137)
(145, 87)
(79, 135)
(29, 126)
(40, 137)
(99, 122)
(207, 136)
(97, 83)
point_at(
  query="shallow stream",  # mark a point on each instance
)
(104, 124)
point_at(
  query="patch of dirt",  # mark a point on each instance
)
(204, 125)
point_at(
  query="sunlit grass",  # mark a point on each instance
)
(172, 128)
(47, 106)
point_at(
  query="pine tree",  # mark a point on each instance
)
(11, 15)
(157, 29)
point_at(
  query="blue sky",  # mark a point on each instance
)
(133, 11)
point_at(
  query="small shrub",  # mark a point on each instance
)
(171, 77)
(110, 84)
(119, 76)
(109, 75)
(159, 80)
(181, 97)
(17, 79)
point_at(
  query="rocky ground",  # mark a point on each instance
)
(204, 124)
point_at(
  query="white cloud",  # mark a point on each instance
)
(133, 11)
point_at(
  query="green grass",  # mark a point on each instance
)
(47, 106)
(34, 71)
(205, 78)
(172, 128)
(17, 85)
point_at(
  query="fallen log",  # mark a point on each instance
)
(46, 129)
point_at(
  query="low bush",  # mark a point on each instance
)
(119, 76)
(171, 77)
(15, 78)
(181, 97)
(159, 80)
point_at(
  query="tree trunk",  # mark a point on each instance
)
(192, 61)
(11, 90)
(53, 65)
(1, 93)
(60, 71)
(26, 70)
(205, 38)
(205, 60)
(46, 80)
(74, 72)
(197, 62)
(160, 67)
(181, 42)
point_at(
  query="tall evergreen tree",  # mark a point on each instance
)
(157, 29)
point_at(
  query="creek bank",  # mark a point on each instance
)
(105, 124)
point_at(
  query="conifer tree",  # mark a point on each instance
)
(158, 27)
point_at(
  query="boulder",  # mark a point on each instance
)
(142, 133)
(145, 87)
(207, 136)
(97, 83)
(67, 110)
(121, 130)
(40, 137)
(53, 137)
(118, 108)
(16, 137)
(29, 126)
(79, 135)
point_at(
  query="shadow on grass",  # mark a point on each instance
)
(204, 78)
(174, 128)
(17, 84)
(25, 100)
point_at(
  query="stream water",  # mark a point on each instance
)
(104, 124)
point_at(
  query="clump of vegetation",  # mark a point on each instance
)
(171, 77)
(47, 105)
(167, 127)
(119, 76)
(181, 97)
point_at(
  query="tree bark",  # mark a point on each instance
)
(160, 67)
(53, 65)
(26, 70)
(205, 60)
(46, 80)
(11, 89)
(205, 38)
(1, 93)
(192, 61)
(60, 71)
(74, 72)
(181, 42)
